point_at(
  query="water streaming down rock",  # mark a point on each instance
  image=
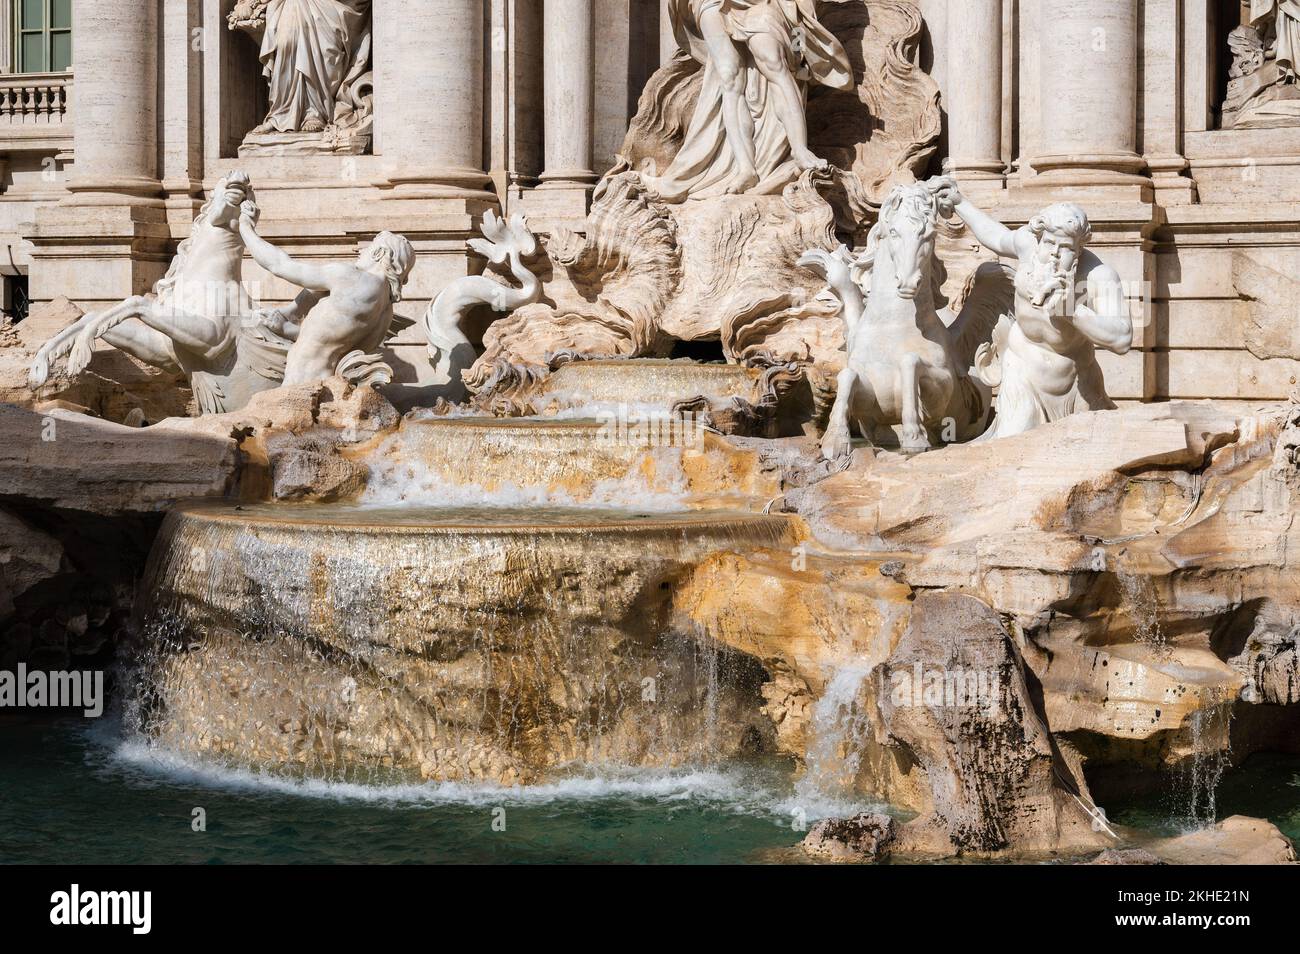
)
(1210, 734)
(443, 643)
(837, 732)
(1138, 595)
(653, 463)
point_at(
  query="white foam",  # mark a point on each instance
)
(414, 483)
(736, 789)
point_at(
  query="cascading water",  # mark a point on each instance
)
(1139, 598)
(480, 644)
(837, 731)
(657, 464)
(1209, 731)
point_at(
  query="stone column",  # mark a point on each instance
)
(108, 237)
(429, 98)
(569, 54)
(1088, 94)
(116, 104)
(974, 90)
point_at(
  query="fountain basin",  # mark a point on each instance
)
(647, 387)
(664, 466)
(444, 644)
(646, 382)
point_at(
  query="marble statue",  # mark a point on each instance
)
(199, 319)
(749, 131)
(904, 367)
(643, 274)
(1262, 88)
(344, 312)
(1067, 303)
(503, 244)
(315, 56)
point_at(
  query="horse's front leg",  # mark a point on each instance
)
(82, 348)
(63, 342)
(838, 440)
(915, 437)
(188, 329)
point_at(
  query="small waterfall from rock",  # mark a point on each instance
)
(837, 730)
(1139, 598)
(840, 725)
(1210, 732)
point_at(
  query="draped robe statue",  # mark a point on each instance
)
(749, 129)
(1262, 81)
(315, 55)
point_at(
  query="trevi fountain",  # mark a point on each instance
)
(848, 430)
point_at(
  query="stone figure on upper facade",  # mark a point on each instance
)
(1262, 87)
(344, 312)
(1067, 304)
(315, 56)
(749, 131)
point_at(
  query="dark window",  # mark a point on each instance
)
(42, 35)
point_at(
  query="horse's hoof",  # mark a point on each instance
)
(38, 375)
(80, 358)
(914, 442)
(837, 448)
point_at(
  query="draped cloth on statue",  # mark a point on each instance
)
(1287, 25)
(705, 165)
(312, 51)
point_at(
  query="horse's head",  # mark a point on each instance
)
(907, 229)
(222, 209)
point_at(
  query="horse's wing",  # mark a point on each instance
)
(399, 324)
(987, 311)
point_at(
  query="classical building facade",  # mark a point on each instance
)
(1169, 120)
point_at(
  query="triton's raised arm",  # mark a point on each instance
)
(277, 261)
(987, 230)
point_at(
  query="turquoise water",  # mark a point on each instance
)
(72, 795)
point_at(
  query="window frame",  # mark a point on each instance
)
(47, 32)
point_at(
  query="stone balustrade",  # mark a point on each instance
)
(31, 99)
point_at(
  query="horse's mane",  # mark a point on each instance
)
(907, 197)
(163, 288)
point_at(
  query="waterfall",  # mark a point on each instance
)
(1210, 730)
(1138, 597)
(340, 642)
(837, 730)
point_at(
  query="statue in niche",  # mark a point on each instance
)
(749, 131)
(343, 315)
(315, 55)
(1262, 88)
(1067, 304)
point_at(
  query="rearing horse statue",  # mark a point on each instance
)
(199, 319)
(904, 366)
